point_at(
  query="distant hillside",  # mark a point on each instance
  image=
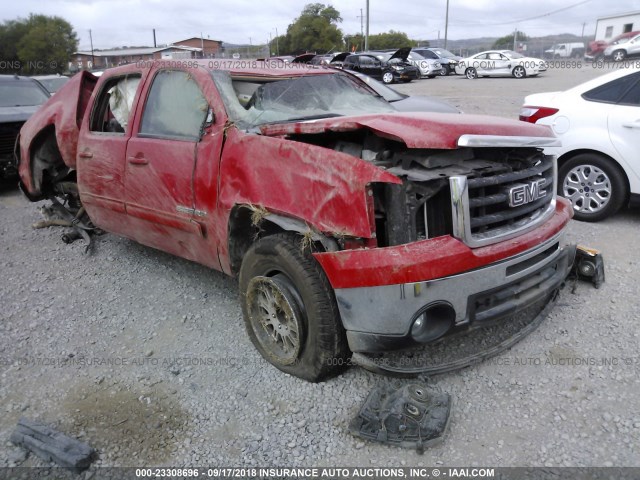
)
(534, 46)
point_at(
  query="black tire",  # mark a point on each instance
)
(519, 71)
(387, 78)
(619, 55)
(592, 200)
(444, 71)
(279, 260)
(471, 73)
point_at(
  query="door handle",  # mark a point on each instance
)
(85, 154)
(138, 160)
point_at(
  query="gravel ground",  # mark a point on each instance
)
(144, 356)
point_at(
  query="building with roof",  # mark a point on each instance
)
(614, 25)
(194, 47)
(210, 48)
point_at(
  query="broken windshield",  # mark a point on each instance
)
(294, 99)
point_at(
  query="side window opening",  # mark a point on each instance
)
(612, 92)
(114, 105)
(175, 107)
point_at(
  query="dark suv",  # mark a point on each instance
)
(20, 97)
(395, 69)
(447, 59)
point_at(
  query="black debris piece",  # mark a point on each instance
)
(52, 446)
(412, 416)
(589, 266)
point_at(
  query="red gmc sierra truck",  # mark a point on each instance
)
(352, 228)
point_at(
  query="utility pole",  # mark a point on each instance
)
(202, 44)
(583, 25)
(361, 17)
(277, 48)
(446, 25)
(515, 39)
(366, 36)
(93, 60)
(154, 38)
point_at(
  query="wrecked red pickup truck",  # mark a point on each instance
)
(352, 228)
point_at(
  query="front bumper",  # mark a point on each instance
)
(382, 318)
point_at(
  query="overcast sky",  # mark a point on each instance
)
(130, 22)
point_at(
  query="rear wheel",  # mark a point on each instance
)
(519, 72)
(594, 185)
(289, 309)
(387, 77)
(471, 73)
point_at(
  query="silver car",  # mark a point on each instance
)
(428, 68)
(623, 49)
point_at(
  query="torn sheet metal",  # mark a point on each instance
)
(412, 416)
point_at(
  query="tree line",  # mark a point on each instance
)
(39, 44)
(316, 30)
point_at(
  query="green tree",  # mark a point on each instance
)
(506, 42)
(315, 30)
(39, 44)
(10, 34)
(380, 41)
(391, 39)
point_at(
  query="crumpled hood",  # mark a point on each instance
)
(17, 114)
(416, 130)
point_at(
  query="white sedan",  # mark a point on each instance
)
(598, 123)
(498, 63)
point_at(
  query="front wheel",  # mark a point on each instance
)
(289, 309)
(387, 78)
(471, 73)
(444, 71)
(619, 55)
(594, 185)
(519, 72)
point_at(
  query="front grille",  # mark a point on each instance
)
(489, 209)
(8, 134)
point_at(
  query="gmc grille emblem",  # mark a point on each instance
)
(524, 193)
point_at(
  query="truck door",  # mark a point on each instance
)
(102, 144)
(160, 161)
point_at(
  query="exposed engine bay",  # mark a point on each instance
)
(421, 208)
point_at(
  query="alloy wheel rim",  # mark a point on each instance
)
(276, 318)
(588, 188)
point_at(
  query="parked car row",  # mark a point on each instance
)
(390, 66)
